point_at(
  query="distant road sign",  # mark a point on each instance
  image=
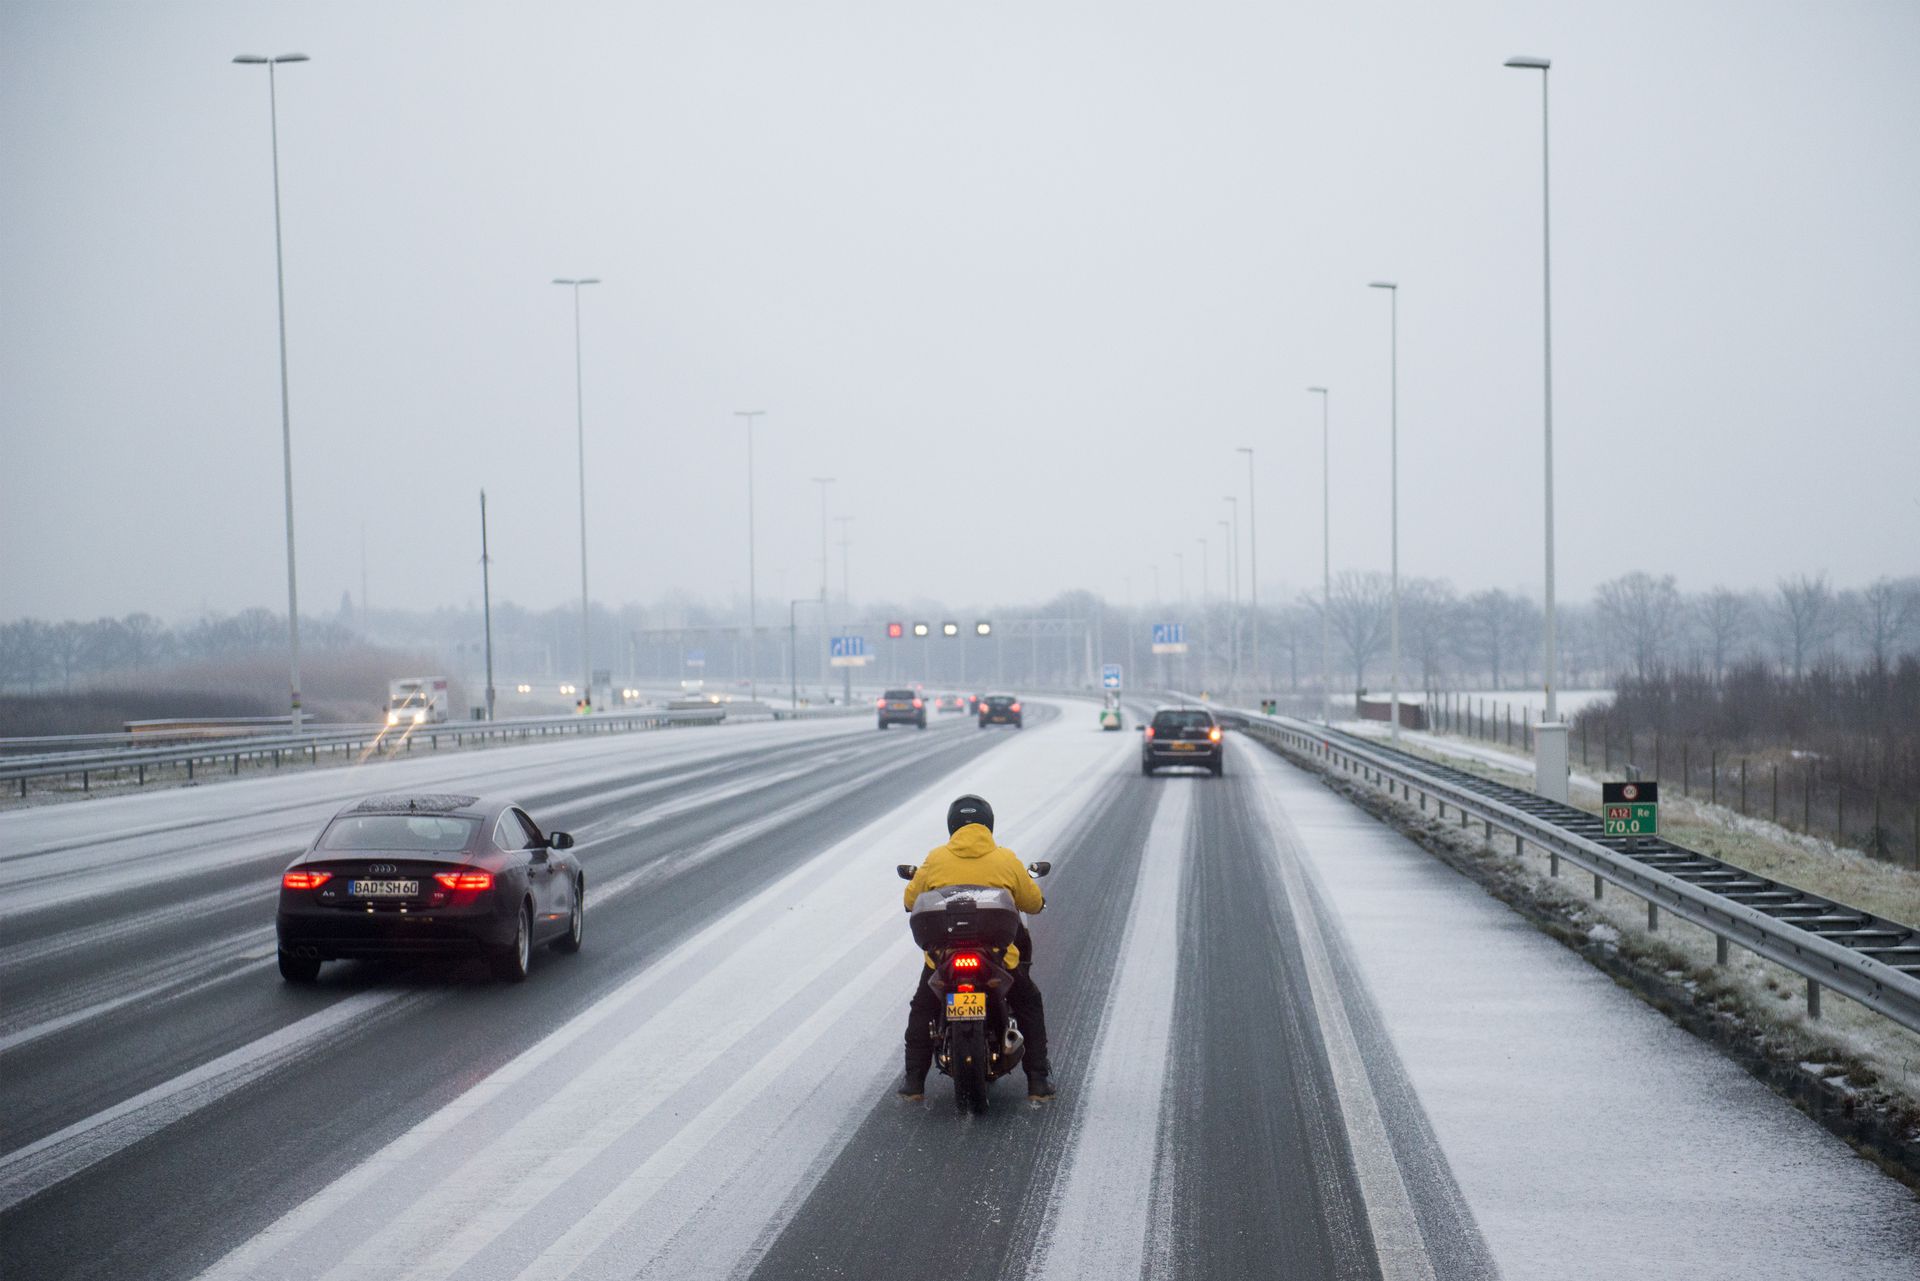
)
(1110, 676)
(848, 651)
(1169, 638)
(696, 658)
(1630, 809)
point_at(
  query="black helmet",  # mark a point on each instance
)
(969, 809)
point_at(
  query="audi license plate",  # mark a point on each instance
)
(383, 889)
(966, 1005)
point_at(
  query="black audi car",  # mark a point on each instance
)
(430, 874)
(1183, 736)
(1000, 709)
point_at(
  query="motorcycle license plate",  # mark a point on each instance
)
(966, 1005)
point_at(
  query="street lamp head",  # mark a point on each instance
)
(1317, 391)
(1243, 449)
(252, 59)
(1529, 64)
(292, 57)
(582, 280)
(1382, 284)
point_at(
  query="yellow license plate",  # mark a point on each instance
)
(1183, 747)
(966, 1005)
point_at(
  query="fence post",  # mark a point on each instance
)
(1719, 949)
(1813, 999)
(1713, 773)
(1599, 887)
(1686, 771)
(1806, 801)
(1657, 745)
(1840, 811)
(1653, 917)
(1583, 740)
(1776, 792)
(1743, 784)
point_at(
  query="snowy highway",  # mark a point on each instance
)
(1287, 1041)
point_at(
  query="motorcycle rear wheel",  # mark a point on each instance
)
(968, 1042)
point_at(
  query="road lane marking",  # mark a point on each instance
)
(1397, 1239)
(1101, 1213)
(38, 1166)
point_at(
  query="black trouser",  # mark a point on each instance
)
(1023, 1002)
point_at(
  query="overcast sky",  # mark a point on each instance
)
(1020, 276)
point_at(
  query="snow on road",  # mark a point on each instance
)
(650, 1114)
(1590, 1136)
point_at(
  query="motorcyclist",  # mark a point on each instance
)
(972, 857)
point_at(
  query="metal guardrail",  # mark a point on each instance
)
(369, 741)
(1869, 958)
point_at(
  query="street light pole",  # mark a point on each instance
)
(826, 623)
(1326, 562)
(286, 415)
(846, 608)
(753, 623)
(1253, 564)
(486, 598)
(1393, 290)
(1233, 617)
(580, 427)
(1552, 741)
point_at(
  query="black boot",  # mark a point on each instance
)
(1039, 1086)
(913, 1085)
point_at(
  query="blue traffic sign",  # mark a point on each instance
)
(1110, 676)
(847, 647)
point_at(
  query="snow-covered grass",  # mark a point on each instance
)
(1848, 1039)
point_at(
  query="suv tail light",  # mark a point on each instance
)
(465, 880)
(879, 702)
(304, 880)
(918, 703)
(1014, 708)
(1149, 731)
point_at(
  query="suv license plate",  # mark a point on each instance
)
(1183, 747)
(383, 889)
(966, 1005)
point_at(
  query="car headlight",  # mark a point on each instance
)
(393, 718)
(418, 717)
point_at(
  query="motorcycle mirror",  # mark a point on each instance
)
(906, 870)
(1040, 867)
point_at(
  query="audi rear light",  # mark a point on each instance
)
(465, 880)
(304, 880)
(1214, 733)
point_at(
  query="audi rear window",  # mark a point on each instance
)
(426, 833)
(1182, 720)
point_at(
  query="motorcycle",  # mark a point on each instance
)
(965, 929)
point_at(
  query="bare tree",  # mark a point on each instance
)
(1360, 614)
(1721, 613)
(1887, 612)
(1642, 615)
(25, 653)
(1427, 616)
(1806, 616)
(1497, 629)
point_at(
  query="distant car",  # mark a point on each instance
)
(902, 707)
(430, 874)
(1183, 736)
(950, 703)
(1110, 717)
(999, 709)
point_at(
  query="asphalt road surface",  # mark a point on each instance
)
(1288, 1044)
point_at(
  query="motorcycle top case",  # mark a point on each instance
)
(964, 916)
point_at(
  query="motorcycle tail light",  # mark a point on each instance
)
(964, 987)
(969, 961)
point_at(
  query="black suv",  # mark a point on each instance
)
(902, 707)
(999, 709)
(1183, 736)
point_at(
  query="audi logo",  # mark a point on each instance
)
(383, 869)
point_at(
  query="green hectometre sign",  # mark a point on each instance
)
(1630, 809)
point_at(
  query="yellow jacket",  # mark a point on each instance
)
(972, 858)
